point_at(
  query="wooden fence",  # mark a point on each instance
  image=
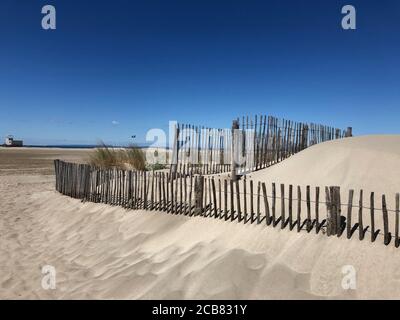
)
(266, 140)
(251, 144)
(203, 150)
(246, 201)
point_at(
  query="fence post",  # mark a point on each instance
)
(198, 195)
(304, 137)
(235, 145)
(333, 208)
(349, 132)
(349, 212)
(386, 233)
(175, 154)
(396, 235)
(56, 173)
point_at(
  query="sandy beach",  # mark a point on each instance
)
(200, 150)
(105, 252)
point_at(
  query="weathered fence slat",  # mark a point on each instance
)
(317, 223)
(360, 217)
(214, 197)
(298, 221)
(232, 201)
(244, 200)
(219, 199)
(266, 205)
(258, 202)
(396, 235)
(273, 204)
(372, 212)
(349, 211)
(251, 201)
(385, 222)
(225, 199)
(238, 201)
(290, 207)
(308, 199)
(283, 213)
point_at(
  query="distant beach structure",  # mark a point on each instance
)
(11, 142)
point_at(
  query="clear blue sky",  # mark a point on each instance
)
(143, 63)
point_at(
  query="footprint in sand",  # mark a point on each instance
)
(7, 284)
(256, 262)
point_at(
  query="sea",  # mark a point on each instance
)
(82, 146)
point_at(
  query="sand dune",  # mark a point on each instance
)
(107, 252)
(365, 162)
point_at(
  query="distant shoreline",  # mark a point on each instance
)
(75, 146)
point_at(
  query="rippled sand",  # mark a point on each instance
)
(104, 252)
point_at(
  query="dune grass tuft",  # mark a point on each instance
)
(125, 158)
(134, 157)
